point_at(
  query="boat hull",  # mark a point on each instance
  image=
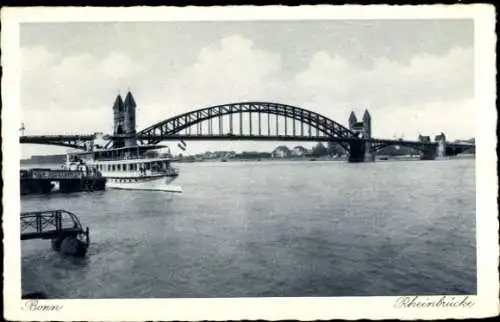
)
(146, 184)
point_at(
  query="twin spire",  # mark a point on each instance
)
(124, 120)
(128, 102)
(353, 119)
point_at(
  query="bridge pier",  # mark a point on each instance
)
(356, 151)
(441, 147)
(429, 154)
(369, 153)
(360, 151)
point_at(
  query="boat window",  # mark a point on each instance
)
(148, 166)
(113, 167)
(134, 167)
(131, 167)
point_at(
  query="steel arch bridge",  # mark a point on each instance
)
(263, 121)
(288, 122)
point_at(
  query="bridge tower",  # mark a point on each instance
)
(124, 120)
(441, 145)
(352, 120)
(129, 119)
(367, 134)
(119, 121)
(361, 150)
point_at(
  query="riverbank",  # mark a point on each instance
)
(323, 158)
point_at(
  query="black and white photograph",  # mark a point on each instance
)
(306, 155)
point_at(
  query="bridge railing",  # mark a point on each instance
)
(37, 224)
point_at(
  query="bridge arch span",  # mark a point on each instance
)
(176, 124)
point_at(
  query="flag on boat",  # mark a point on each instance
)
(182, 145)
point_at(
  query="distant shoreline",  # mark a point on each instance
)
(55, 161)
(377, 158)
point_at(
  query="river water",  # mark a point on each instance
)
(252, 229)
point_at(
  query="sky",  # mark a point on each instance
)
(414, 76)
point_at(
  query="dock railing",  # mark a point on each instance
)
(49, 224)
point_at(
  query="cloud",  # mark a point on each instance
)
(457, 119)
(77, 82)
(424, 79)
(75, 93)
(232, 70)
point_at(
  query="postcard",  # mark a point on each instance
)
(240, 162)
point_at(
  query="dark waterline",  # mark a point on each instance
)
(271, 229)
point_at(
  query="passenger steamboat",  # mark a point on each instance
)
(127, 164)
(130, 168)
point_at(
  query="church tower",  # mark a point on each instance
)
(129, 119)
(367, 125)
(119, 121)
(352, 120)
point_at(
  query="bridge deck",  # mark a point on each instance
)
(51, 234)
